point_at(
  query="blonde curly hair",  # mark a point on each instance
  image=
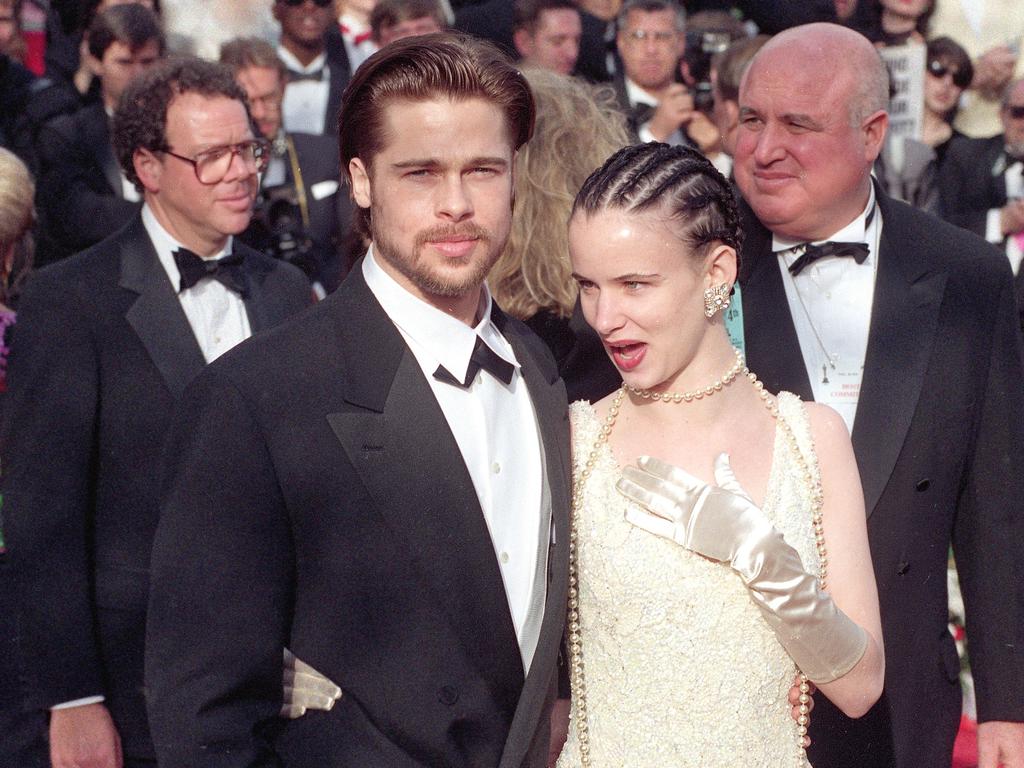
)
(578, 126)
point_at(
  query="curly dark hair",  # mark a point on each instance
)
(677, 181)
(140, 121)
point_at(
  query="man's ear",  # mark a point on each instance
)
(95, 65)
(875, 128)
(148, 168)
(360, 182)
(523, 42)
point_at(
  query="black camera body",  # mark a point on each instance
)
(701, 46)
(277, 228)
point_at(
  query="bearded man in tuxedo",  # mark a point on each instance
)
(379, 488)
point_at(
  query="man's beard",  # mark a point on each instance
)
(421, 273)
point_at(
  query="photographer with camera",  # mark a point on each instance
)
(299, 213)
(651, 41)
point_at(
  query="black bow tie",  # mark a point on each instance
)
(858, 251)
(642, 112)
(295, 76)
(483, 357)
(226, 270)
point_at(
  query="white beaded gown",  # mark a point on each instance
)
(681, 669)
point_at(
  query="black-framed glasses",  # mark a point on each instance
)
(297, 3)
(1016, 111)
(940, 70)
(212, 165)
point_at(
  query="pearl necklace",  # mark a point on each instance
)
(694, 394)
(575, 639)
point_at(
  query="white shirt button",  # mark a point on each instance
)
(496, 468)
(504, 557)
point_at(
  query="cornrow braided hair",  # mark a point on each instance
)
(678, 181)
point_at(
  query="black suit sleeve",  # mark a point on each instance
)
(49, 455)
(990, 525)
(77, 206)
(221, 588)
(965, 187)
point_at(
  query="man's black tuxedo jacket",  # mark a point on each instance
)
(81, 200)
(100, 355)
(938, 437)
(968, 187)
(316, 499)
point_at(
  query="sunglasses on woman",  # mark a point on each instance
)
(940, 70)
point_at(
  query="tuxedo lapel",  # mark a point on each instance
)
(548, 395)
(399, 442)
(773, 348)
(904, 319)
(264, 308)
(156, 315)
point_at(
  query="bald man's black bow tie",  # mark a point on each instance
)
(857, 251)
(226, 270)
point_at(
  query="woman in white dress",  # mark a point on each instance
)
(701, 571)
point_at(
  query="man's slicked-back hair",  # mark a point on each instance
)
(425, 67)
(678, 183)
(140, 121)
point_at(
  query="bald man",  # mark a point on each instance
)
(908, 328)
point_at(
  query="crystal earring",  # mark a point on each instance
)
(716, 298)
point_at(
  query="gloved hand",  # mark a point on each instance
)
(723, 524)
(305, 688)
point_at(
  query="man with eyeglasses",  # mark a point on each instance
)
(106, 342)
(982, 182)
(318, 66)
(299, 213)
(651, 41)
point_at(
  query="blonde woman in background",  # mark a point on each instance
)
(578, 126)
(21, 733)
(17, 190)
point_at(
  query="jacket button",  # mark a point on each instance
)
(922, 485)
(448, 695)
(902, 568)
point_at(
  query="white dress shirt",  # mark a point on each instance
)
(305, 101)
(830, 302)
(496, 430)
(216, 313)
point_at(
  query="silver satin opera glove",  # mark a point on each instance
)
(723, 524)
(305, 688)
